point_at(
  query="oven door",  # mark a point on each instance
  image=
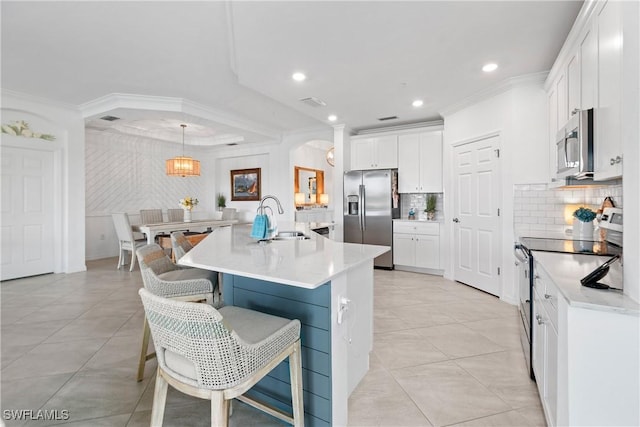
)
(524, 265)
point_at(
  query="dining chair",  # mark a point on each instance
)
(151, 216)
(175, 215)
(163, 277)
(180, 244)
(126, 240)
(219, 354)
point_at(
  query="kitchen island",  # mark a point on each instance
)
(327, 285)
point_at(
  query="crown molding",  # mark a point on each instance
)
(423, 125)
(110, 102)
(534, 79)
(37, 99)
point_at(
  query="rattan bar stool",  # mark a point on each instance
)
(164, 278)
(220, 354)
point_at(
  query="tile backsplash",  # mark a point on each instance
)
(418, 201)
(538, 208)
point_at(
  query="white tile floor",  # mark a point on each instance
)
(444, 354)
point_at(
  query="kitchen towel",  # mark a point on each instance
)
(260, 227)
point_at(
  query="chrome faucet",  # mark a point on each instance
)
(272, 230)
(261, 209)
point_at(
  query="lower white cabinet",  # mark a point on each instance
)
(585, 357)
(416, 244)
(545, 345)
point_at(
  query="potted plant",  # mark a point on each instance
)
(431, 207)
(221, 201)
(583, 223)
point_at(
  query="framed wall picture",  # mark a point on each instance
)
(245, 184)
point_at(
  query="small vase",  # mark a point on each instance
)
(582, 230)
(187, 215)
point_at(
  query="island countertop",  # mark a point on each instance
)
(303, 263)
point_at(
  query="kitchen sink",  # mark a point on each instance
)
(291, 235)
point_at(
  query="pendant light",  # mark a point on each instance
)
(181, 165)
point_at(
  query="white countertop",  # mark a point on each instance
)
(539, 234)
(437, 221)
(303, 263)
(566, 270)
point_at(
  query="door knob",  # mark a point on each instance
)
(456, 220)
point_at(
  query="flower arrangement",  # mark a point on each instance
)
(584, 214)
(188, 203)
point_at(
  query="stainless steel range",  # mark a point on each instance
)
(611, 221)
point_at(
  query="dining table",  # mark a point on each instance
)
(151, 230)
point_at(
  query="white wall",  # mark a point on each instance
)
(517, 116)
(67, 120)
(126, 174)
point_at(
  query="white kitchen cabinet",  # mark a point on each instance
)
(561, 93)
(545, 345)
(552, 109)
(608, 141)
(573, 85)
(416, 244)
(586, 345)
(376, 152)
(420, 162)
(588, 53)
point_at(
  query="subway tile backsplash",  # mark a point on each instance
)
(538, 208)
(418, 201)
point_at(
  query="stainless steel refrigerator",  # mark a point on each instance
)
(371, 202)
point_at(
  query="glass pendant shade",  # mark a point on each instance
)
(183, 165)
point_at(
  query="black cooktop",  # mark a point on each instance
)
(585, 247)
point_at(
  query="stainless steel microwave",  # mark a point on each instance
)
(574, 147)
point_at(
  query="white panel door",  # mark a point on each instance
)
(27, 212)
(476, 222)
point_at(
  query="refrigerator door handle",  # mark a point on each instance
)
(363, 203)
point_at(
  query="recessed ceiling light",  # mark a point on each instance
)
(417, 103)
(490, 67)
(299, 77)
(332, 118)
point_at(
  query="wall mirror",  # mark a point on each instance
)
(309, 182)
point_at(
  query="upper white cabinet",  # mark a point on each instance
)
(420, 162)
(589, 74)
(552, 105)
(573, 86)
(608, 146)
(588, 54)
(377, 152)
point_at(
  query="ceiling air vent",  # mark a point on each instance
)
(312, 101)
(110, 118)
(384, 119)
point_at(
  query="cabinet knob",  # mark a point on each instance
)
(615, 161)
(547, 296)
(456, 220)
(575, 111)
(539, 319)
